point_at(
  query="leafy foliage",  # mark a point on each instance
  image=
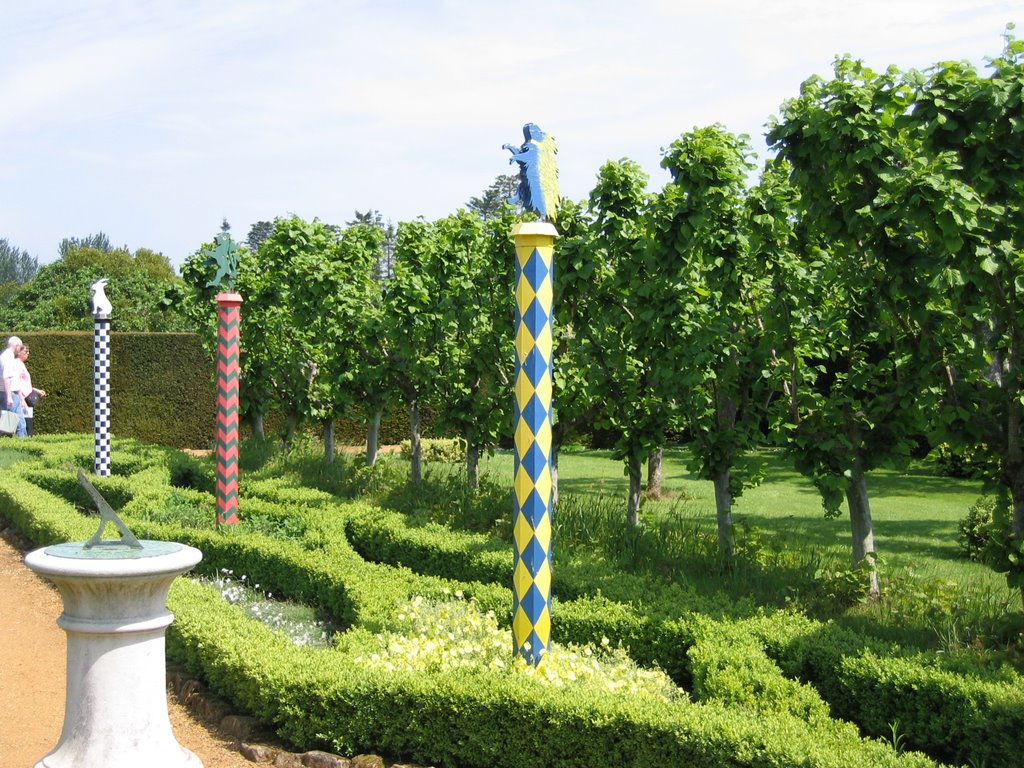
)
(873, 202)
(971, 124)
(97, 241)
(57, 297)
(980, 527)
(258, 232)
(472, 276)
(710, 307)
(620, 364)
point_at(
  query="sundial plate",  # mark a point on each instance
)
(112, 550)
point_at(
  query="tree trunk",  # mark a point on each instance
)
(862, 528)
(472, 460)
(416, 470)
(1013, 464)
(291, 423)
(633, 505)
(1017, 511)
(1017, 497)
(654, 474)
(373, 437)
(723, 513)
(258, 430)
(554, 476)
(794, 380)
(328, 442)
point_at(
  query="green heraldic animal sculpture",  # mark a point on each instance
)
(538, 173)
(223, 258)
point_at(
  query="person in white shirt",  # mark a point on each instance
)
(21, 384)
(6, 358)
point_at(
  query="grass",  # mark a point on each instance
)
(788, 552)
(934, 596)
(915, 511)
(9, 456)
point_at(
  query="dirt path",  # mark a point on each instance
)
(32, 675)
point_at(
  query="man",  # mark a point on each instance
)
(11, 402)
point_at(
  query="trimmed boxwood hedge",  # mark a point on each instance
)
(768, 685)
(317, 697)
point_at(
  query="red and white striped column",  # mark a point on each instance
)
(228, 318)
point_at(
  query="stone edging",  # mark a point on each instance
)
(252, 740)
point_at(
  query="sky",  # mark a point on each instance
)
(153, 121)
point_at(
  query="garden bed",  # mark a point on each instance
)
(762, 687)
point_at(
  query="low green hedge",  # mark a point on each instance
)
(765, 682)
(318, 698)
(728, 664)
(954, 708)
(382, 535)
(953, 714)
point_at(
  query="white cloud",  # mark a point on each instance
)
(153, 120)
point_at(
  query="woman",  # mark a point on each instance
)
(22, 385)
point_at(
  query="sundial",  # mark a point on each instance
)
(97, 548)
(115, 617)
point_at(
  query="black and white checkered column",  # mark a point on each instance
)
(101, 394)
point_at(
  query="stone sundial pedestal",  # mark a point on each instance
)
(115, 616)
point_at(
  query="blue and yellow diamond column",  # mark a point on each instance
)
(531, 576)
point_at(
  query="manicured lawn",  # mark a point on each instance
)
(916, 511)
(9, 454)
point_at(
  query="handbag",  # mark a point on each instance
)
(8, 422)
(31, 399)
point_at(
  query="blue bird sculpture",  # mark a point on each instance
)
(538, 173)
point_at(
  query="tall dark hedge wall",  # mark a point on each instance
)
(161, 385)
(162, 390)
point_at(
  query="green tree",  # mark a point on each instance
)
(332, 292)
(575, 268)
(271, 364)
(413, 333)
(290, 350)
(706, 309)
(375, 375)
(277, 358)
(258, 232)
(879, 207)
(622, 365)
(16, 265)
(779, 243)
(370, 218)
(98, 241)
(972, 127)
(119, 262)
(493, 202)
(471, 274)
(385, 265)
(196, 300)
(57, 297)
(446, 330)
